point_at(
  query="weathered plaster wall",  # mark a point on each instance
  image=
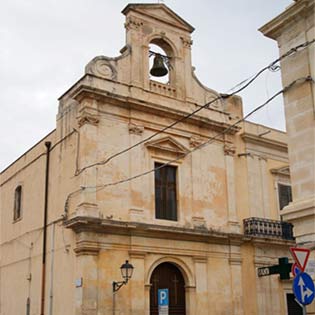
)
(21, 240)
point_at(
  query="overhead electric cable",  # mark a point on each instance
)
(271, 66)
(210, 140)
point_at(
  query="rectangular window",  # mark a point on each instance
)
(165, 192)
(17, 203)
(285, 195)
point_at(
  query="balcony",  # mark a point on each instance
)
(268, 228)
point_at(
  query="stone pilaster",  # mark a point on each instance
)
(88, 120)
(134, 37)
(86, 280)
(264, 188)
(190, 296)
(137, 284)
(236, 279)
(201, 274)
(233, 222)
(136, 211)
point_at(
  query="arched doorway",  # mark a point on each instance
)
(168, 276)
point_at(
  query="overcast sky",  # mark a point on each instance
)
(45, 44)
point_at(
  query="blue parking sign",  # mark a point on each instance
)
(163, 297)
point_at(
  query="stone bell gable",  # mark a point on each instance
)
(152, 24)
(126, 78)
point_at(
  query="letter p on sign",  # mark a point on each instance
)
(163, 297)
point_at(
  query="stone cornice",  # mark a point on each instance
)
(268, 241)
(273, 28)
(200, 259)
(85, 91)
(236, 260)
(299, 209)
(88, 77)
(134, 254)
(90, 224)
(266, 142)
(263, 261)
(97, 225)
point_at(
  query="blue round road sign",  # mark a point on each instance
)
(303, 288)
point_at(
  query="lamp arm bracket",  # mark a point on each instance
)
(118, 285)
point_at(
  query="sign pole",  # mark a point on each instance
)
(114, 302)
(304, 310)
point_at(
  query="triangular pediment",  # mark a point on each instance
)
(281, 171)
(167, 144)
(159, 12)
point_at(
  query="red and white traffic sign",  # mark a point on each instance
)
(295, 269)
(300, 256)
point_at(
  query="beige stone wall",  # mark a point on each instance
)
(21, 241)
(263, 150)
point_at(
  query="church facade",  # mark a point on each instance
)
(192, 201)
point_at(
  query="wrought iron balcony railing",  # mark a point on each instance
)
(268, 228)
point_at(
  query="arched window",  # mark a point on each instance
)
(159, 46)
(17, 203)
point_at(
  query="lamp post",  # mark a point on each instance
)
(126, 270)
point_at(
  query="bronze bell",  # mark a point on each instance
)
(158, 68)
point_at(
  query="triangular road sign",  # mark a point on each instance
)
(300, 256)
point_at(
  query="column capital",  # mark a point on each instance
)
(200, 259)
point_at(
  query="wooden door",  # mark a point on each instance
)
(168, 276)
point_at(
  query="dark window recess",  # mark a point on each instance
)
(285, 195)
(165, 193)
(17, 203)
(293, 307)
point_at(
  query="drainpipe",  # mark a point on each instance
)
(51, 285)
(42, 308)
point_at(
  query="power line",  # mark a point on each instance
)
(272, 66)
(210, 140)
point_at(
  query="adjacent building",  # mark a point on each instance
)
(292, 28)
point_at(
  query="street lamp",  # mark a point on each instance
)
(126, 270)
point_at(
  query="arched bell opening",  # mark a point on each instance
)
(160, 61)
(167, 277)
